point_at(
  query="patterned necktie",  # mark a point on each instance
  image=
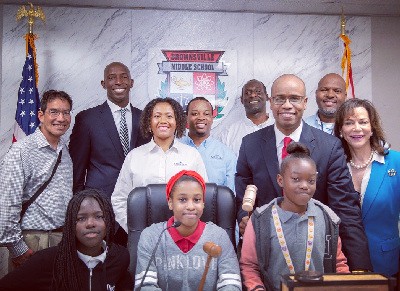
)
(286, 142)
(123, 132)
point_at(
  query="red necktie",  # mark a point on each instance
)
(286, 142)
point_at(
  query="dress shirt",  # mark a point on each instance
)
(316, 122)
(219, 160)
(27, 166)
(279, 136)
(116, 113)
(149, 164)
(364, 183)
(232, 136)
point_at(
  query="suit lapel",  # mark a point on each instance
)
(307, 138)
(108, 123)
(268, 149)
(376, 178)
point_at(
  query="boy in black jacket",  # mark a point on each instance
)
(85, 259)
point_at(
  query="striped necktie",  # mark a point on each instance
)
(123, 132)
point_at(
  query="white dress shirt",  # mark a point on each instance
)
(279, 136)
(116, 112)
(149, 164)
(234, 133)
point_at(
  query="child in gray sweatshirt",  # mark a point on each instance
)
(180, 260)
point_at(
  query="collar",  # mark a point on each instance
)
(114, 107)
(188, 140)
(378, 158)
(295, 135)
(42, 141)
(153, 147)
(287, 215)
(193, 238)
(322, 124)
(248, 122)
(92, 262)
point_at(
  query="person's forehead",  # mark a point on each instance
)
(116, 68)
(89, 202)
(199, 105)
(163, 107)
(57, 102)
(288, 86)
(332, 81)
(254, 84)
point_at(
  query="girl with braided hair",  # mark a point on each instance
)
(85, 259)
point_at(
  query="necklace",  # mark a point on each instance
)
(283, 245)
(362, 166)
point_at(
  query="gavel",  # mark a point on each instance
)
(249, 198)
(213, 251)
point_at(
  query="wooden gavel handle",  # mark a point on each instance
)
(203, 279)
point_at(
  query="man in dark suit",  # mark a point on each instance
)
(261, 154)
(97, 142)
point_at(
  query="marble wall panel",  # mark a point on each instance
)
(76, 44)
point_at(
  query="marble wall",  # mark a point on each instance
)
(74, 46)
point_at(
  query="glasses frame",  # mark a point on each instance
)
(290, 98)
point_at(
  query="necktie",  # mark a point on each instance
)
(286, 142)
(123, 132)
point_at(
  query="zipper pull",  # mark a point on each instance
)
(90, 279)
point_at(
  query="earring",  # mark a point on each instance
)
(341, 135)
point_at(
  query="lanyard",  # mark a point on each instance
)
(282, 240)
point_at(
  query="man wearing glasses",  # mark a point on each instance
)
(25, 169)
(254, 99)
(262, 152)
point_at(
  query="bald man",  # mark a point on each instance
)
(260, 156)
(330, 94)
(96, 143)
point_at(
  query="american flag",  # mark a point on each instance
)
(26, 116)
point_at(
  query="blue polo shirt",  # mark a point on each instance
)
(219, 160)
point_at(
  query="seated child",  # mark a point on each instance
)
(85, 259)
(180, 260)
(295, 227)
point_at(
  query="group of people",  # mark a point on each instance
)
(327, 189)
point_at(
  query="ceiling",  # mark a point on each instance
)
(326, 7)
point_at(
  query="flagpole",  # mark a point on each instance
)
(346, 58)
(26, 115)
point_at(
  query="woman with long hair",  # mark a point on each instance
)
(375, 171)
(85, 259)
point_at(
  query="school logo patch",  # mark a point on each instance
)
(193, 73)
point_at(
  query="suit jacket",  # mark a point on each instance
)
(96, 149)
(258, 164)
(380, 214)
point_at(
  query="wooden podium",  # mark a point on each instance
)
(341, 282)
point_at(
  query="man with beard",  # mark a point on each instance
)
(254, 99)
(330, 94)
(219, 160)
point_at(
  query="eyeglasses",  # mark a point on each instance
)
(280, 100)
(55, 113)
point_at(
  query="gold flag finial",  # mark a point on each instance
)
(343, 23)
(31, 14)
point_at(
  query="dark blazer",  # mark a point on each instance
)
(380, 214)
(96, 149)
(258, 164)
